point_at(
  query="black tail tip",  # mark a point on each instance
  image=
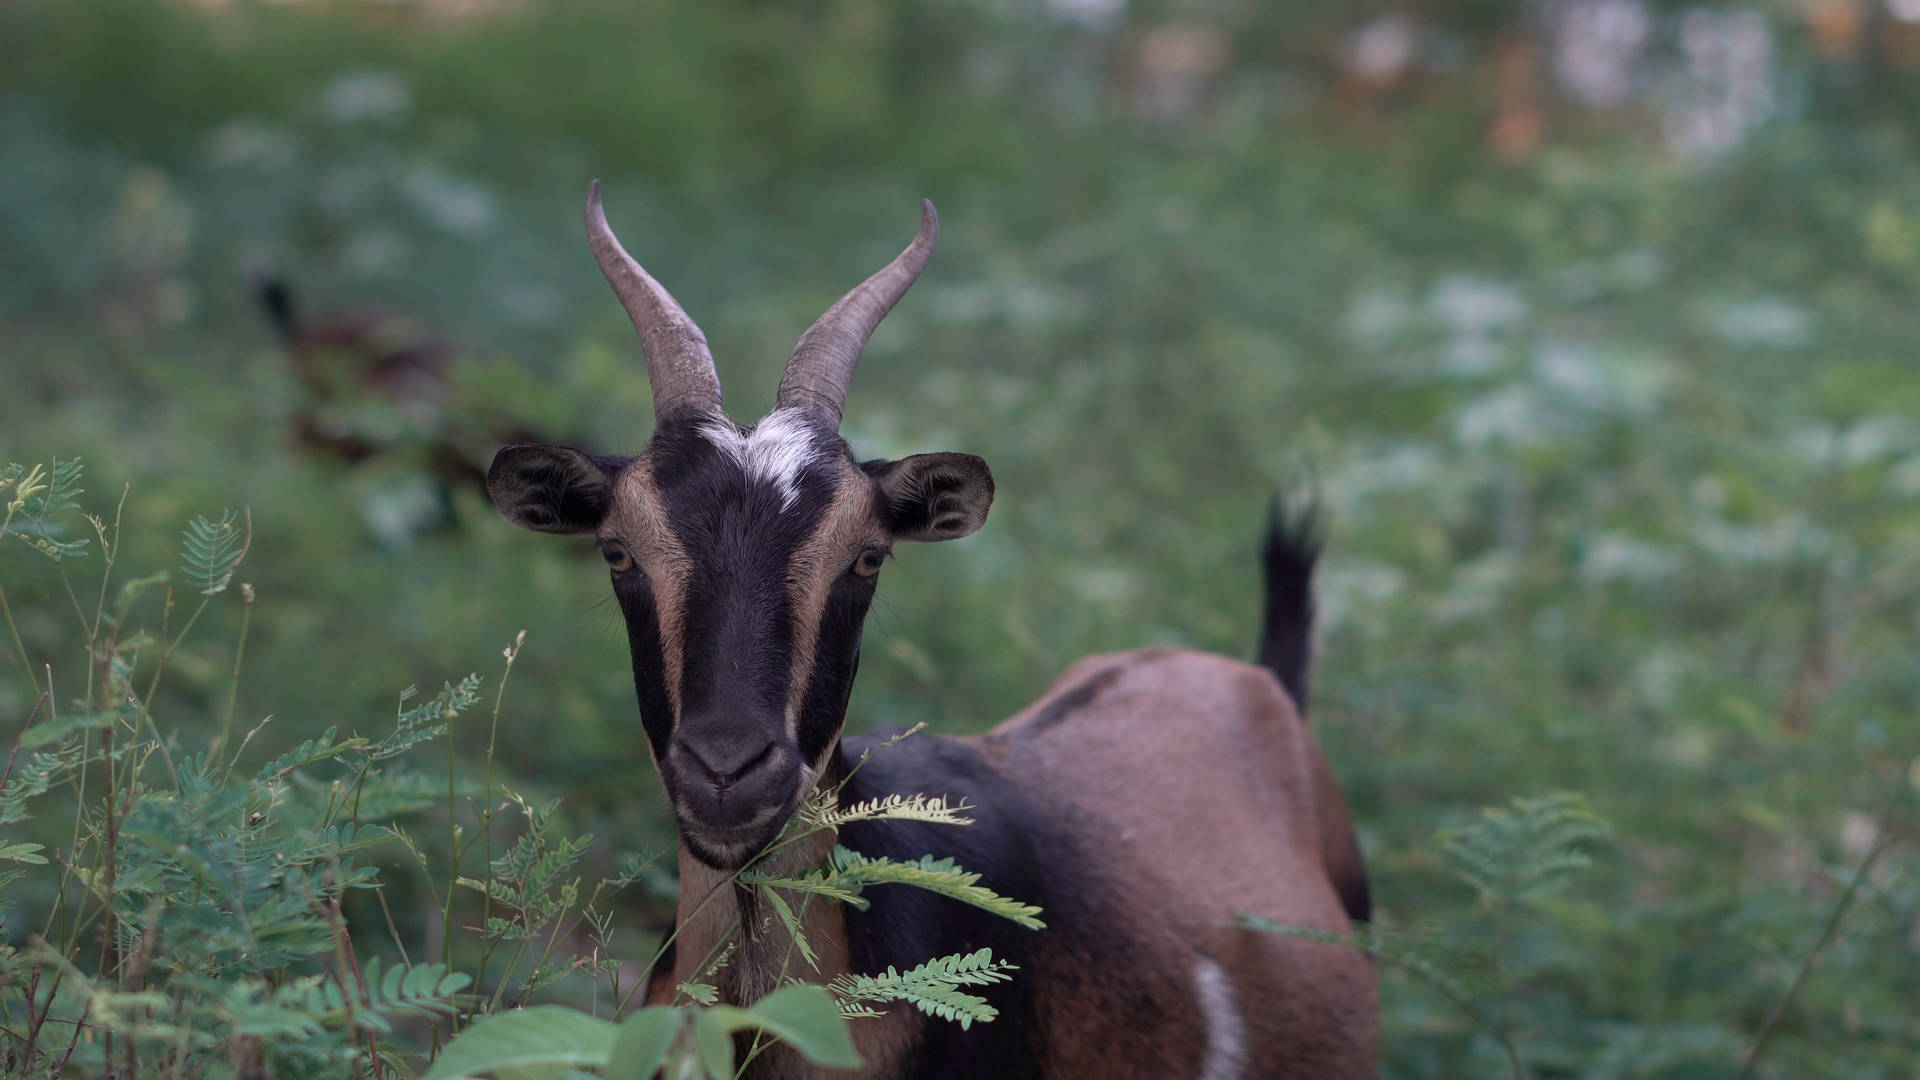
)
(1296, 530)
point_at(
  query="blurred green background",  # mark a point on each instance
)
(1596, 321)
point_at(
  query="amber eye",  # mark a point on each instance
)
(868, 564)
(618, 560)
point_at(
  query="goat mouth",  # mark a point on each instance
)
(730, 845)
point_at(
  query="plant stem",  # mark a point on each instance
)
(453, 854)
(233, 684)
(18, 648)
(1887, 840)
(512, 653)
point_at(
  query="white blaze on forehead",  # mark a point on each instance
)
(1226, 1056)
(777, 450)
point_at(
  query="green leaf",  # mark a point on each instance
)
(808, 1019)
(713, 1038)
(213, 551)
(25, 853)
(792, 923)
(704, 993)
(131, 591)
(853, 871)
(526, 1038)
(932, 987)
(642, 1043)
(804, 1017)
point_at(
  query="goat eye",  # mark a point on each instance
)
(868, 564)
(617, 558)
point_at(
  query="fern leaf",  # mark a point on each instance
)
(63, 490)
(213, 550)
(704, 993)
(820, 882)
(852, 871)
(787, 919)
(934, 810)
(311, 752)
(1524, 852)
(932, 987)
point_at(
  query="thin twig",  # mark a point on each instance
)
(233, 682)
(356, 992)
(78, 1026)
(1887, 840)
(7, 776)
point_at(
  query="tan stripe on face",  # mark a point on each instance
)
(639, 520)
(845, 529)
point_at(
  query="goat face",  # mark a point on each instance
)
(744, 561)
(744, 558)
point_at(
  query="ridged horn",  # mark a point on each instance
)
(679, 364)
(821, 368)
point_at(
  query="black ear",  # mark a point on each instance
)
(934, 496)
(552, 489)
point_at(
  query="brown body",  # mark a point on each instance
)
(1199, 792)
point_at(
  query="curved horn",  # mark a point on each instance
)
(821, 367)
(679, 364)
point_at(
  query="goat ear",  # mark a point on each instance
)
(934, 496)
(552, 489)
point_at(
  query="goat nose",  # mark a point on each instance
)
(724, 763)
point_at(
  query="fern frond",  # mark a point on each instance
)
(792, 922)
(932, 987)
(38, 495)
(63, 489)
(630, 869)
(853, 871)
(428, 720)
(933, 810)
(213, 550)
(420, 990)
(1525, 852)
(35, 774)
(820, 882)
(311, 752)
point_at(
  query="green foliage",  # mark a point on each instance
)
(932, 987)
(427, 720)
(1515, 857)
(846, 873)
(1524, 853)
(546, 1037)
(933, 810)
(853, 872)
(38, 493)
(194, 918)
(213, 551)
(538, 1037)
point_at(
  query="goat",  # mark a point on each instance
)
(1144, 799)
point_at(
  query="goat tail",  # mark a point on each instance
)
(1295, 531)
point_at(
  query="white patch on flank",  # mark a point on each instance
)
(777, 450)
(1226, 1056)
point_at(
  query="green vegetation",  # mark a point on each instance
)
(1621, 448)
